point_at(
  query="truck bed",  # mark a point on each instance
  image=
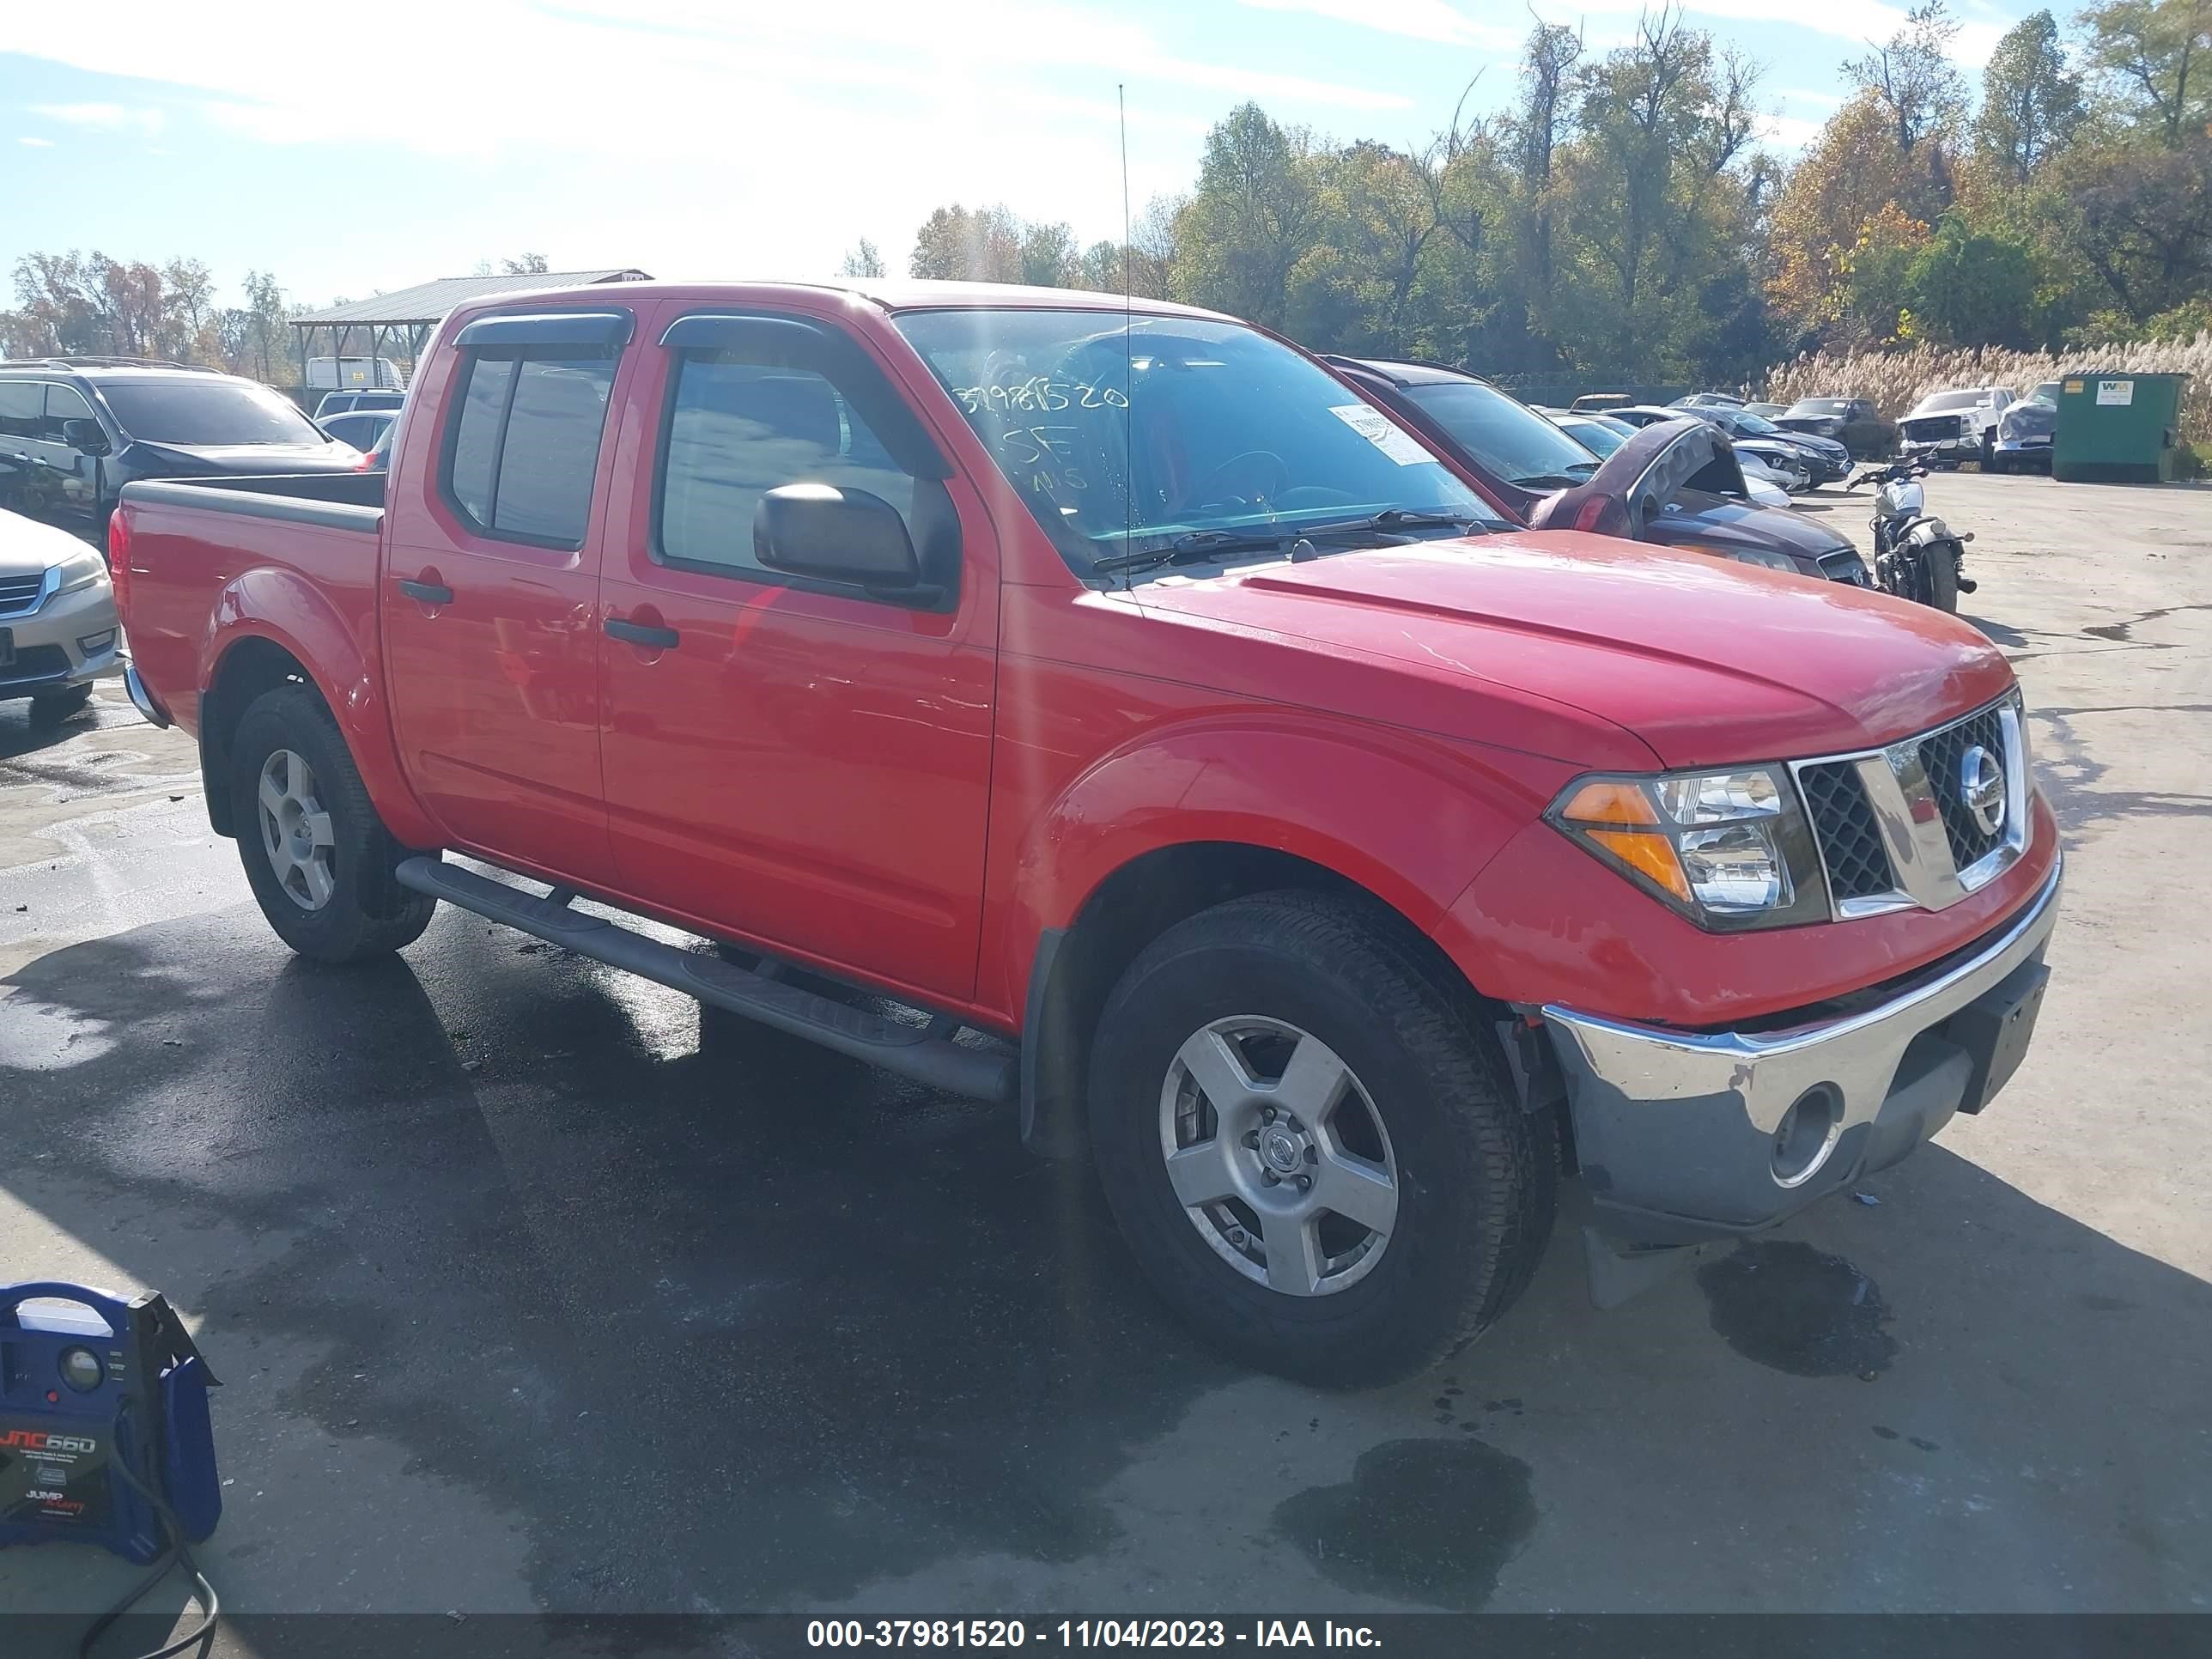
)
(314, 536)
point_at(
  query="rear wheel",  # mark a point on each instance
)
(318, 858)
(1310, 1144)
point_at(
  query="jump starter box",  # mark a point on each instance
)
(97, 1392)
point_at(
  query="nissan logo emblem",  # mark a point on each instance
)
(1981, 788)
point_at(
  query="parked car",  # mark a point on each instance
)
(1329, 857)
(1855, 422)
(360, 428)
(1954, 426)
(1826, 459)
(2026, 430)
(1709, 400)
(58, 632)
(1517, 458)
(75, 430)
(343, 403)
(1782, 453)
(1598, 402)
(1770, 411)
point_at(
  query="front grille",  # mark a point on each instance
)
(1934, 429)
(34, 662)
(1940, 754)
(20, 592)
(1850, 840)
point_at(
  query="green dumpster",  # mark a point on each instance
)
(2118, 427)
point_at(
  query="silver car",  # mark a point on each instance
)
(58, 631)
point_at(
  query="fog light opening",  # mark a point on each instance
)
(1807, 1134)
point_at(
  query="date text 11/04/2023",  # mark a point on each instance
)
(1087, 1633)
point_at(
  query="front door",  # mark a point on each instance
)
(72, 475)
(490, 591)
(795, 761)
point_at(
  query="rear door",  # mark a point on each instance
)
(794, 761)
(491, 586)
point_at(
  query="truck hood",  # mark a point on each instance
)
(234, 460)
(1707, 662)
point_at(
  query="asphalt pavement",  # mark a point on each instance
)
(530, 1290)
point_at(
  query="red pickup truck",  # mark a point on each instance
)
(1189, 755)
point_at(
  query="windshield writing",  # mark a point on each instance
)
(1122, 441)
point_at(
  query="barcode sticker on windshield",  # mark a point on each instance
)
(1383, 433)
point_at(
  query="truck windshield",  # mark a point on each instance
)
(212, 411)
(1505, 437)
(1224, 429)
(1818, 406)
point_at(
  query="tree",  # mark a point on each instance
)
(527, 264)
(1652, 205)
(981, 246)
(1251, 219)
(2144, 222)
(862, 261)
(2031, 99)
(2150, 58)
(1964, 287)
(1845, 180)
(1912, 73)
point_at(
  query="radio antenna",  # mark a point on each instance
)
(1128, 345)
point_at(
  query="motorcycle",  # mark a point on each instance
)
(1917, 555)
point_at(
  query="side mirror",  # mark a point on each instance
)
(85, 436)
(838, 535)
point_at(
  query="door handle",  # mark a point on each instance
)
(662, 639)
(426, 593)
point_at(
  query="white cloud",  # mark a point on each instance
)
(1419, 19)
(1806, 96)
(37, 143)
(105, 118)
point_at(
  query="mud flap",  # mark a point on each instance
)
(1618, 1273)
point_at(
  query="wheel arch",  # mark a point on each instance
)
(1076, 966)
(274, 628)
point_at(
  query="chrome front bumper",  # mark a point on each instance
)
(1684, 1136)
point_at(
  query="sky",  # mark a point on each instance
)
(733, 137)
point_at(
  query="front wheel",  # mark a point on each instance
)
(1310, 1144)
(318, 858)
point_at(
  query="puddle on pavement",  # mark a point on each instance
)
(1431, 1521)
(1797, 1310)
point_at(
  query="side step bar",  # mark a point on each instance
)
(927, 1054)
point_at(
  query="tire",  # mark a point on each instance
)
(1988, 453)
(1475, 1176)
(52, 708)
(363, 912)
(1940, 567)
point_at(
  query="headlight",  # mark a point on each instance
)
(1728, 850)
(1764, 557)
(1760, 555)
(83, 571)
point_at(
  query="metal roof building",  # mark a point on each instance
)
(404, 319)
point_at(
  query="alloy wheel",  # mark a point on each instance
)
(1278, 1155)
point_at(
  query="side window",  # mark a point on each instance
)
(63, 402)
(525, 445)
(741, 424)
(21, 405)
